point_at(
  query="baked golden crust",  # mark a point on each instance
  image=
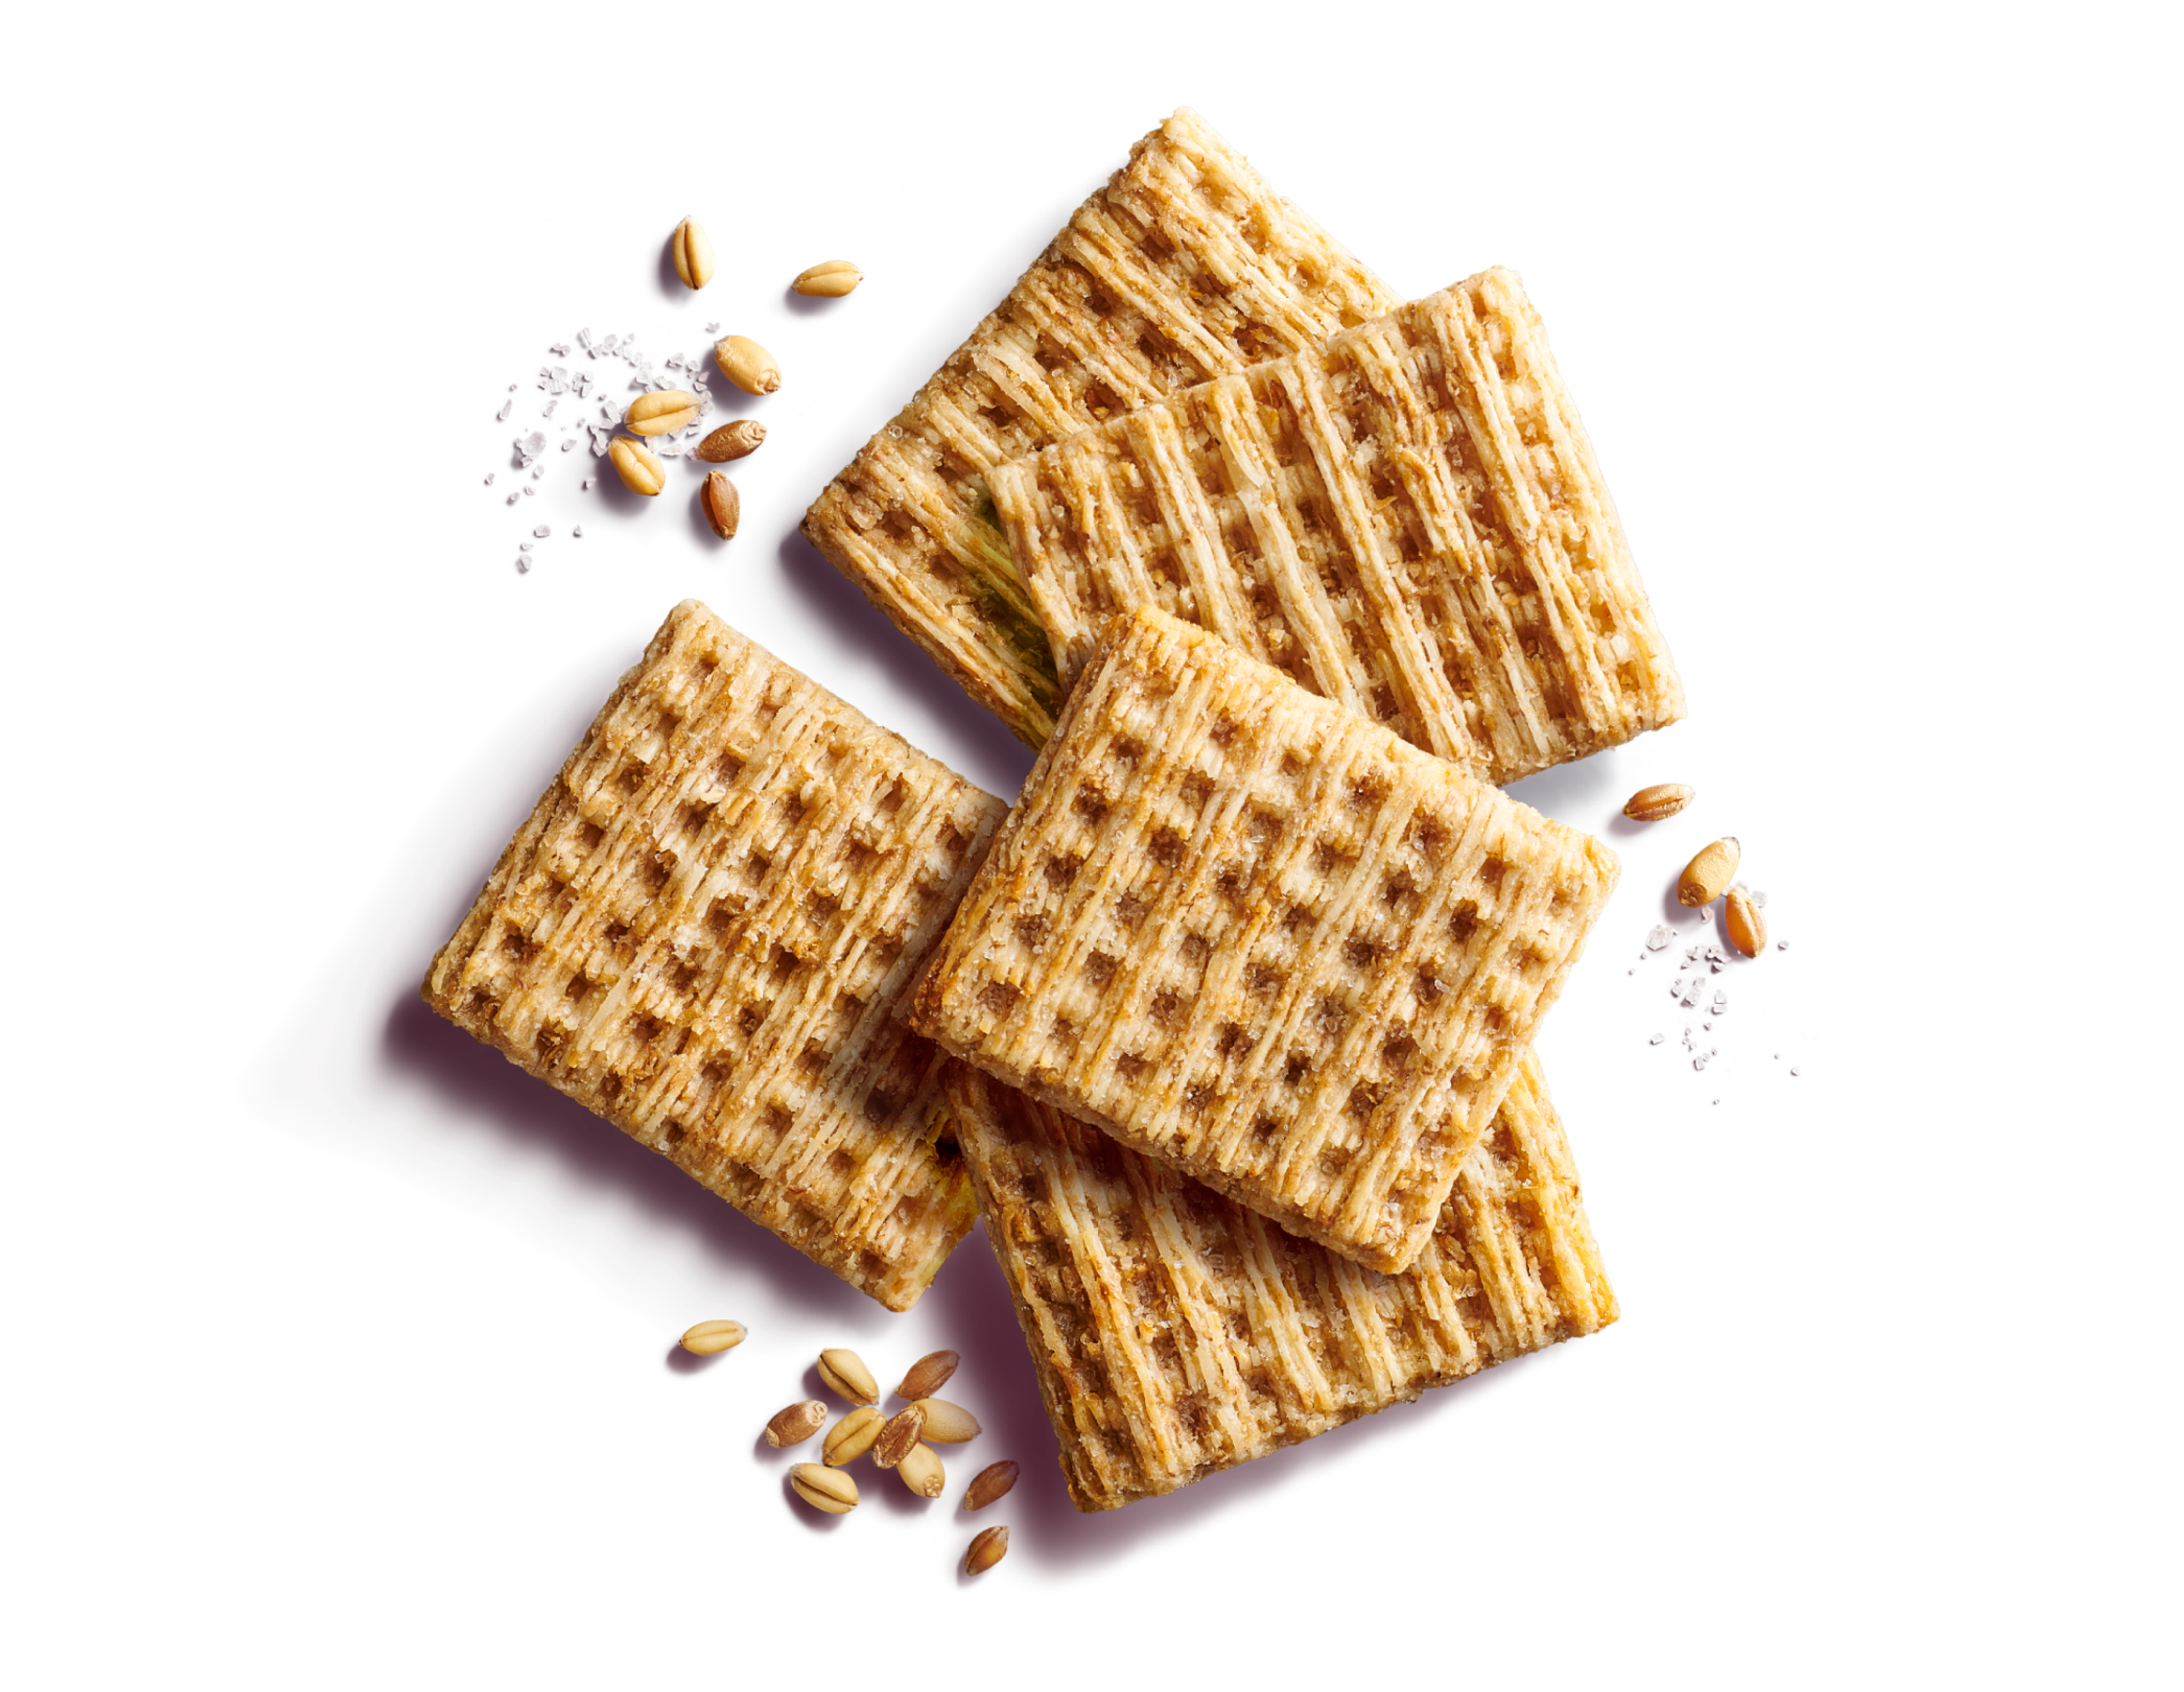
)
(1185, 266)
(1263, 940)
(707, 932)
(1176, 1333)
(1407, 518)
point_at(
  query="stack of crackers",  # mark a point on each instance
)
(1225, 1028)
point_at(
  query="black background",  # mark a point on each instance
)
(427, 1370)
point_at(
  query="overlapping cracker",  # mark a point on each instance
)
(1263, 940)
(706, 932)
(1186, 264)
(1176, 1333)
(1407, 518)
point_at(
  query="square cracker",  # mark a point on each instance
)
(1407, 518)
(706, 933)
(1186, 264)
(1176, 1333)
(1263, 940)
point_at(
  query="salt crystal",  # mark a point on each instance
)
(1720, 1000)
(548, 410)
(523, 546)
(511, 387)
(528, 488)
(584, 339)
(1700, 1062)
(1656, 1039)
(523, 566)
(1706, 1025)
(537, 470)
(568, 443)
(1660, 936)
(1793, 1069)
(501, 416)
(667, 450)
(712, 329)
(1717, 1101)
(1781, 945)
(584, 486)
(576, 533)
(542, 532)
(608, 344)
(512, 499)
(559, 349)
(488, 478)
(1758, 898)
(674, 361)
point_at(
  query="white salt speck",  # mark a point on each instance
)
(511, 387)
(1656, 1039)
(576, 533)
(1758, 897)
(501, 416)
(523, 546)
(1793, 1069)
(1717, 1101)
(488, 478)
(1706, 1025)
(523, 566)
(559, 349)
(568, 443)
(1720, 1000)
(1660, 936)
(585, 485)
(1781, 945)
(1700, 1062)
(542, 532)
(511, 498)
(528, 488)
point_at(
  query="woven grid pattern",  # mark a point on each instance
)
(1185, 266)
(706, 932)
(1263, 940)
(1407, 520)
(1176, 1333)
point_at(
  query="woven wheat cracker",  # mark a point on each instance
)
(1186, 264)
(1176, 1333)
(1263, 940)
(1407, 520)
(706, 932)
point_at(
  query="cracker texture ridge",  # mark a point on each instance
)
(1407, 518)
(1186, 264)
(1263, 940)
(1176, 1333)
(707, 932)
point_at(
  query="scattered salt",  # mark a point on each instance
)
(1660, 936)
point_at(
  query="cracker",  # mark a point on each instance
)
(706, 932)
(1263, 940)
(1175, 1333)
(1185, 266)
(1407, 518)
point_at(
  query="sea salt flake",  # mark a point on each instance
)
(1781, 945)
(1720, 1000)
(513, 498)
(541, 532)
(1701, 1060)
(1793, 1069)
(528, 488)
(1656, 1039)
(488, 478)
(1661, 937)
(501, 416)
(576, 533)
(559, 349)
(547, 411)
(523, 546)
(568, 443)
(712, 329)
(523, 566)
